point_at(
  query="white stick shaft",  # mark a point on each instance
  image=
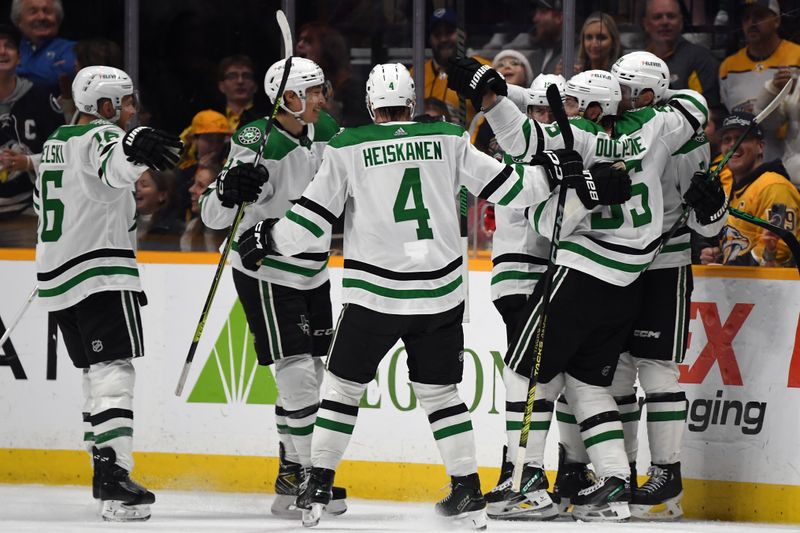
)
(286, 32)
(775, 102)
(519, 466)
(17, 318)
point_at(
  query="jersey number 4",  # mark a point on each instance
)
(52, 208)
(411, 186)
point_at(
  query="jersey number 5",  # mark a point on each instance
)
(411, 186)
(52, 208)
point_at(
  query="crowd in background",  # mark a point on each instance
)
(738, 64)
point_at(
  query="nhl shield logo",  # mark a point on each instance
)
(97, 346)
(249, 135)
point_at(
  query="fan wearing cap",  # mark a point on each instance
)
(760, 188)
(545, 39)
(743, 74)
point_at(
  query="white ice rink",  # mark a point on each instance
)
(70, 510)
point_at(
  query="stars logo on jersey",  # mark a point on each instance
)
(249, 135)
(399, 132)
(304, 325)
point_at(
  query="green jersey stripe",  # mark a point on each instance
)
(386, 132)
(405, 294)
(65, 133)
(680, 247)
(86, 274)
(666, 416)
(602, 437)
(455, 429)
(113, 434)
(515, 189)
(515, 274)
(597, 258)
(334, 425)
(306, 223)
(693, 101)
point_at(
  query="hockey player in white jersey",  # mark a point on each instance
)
(396, 181)
(601, 255)
(86, 267)
(286, 300)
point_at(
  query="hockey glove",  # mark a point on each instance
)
(157, 149)
(256, 243)
(471, 79)
(604, 184)
(241, 184)
(707, 198)
(560, 165)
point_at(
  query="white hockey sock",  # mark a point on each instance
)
(88, 404)
(541, 416)
(624, 391)
(336, 420)
(666, 409)
(569, 433)
(601, 428)
(298, 389)
(111, 385)
(283, 433)
(451, 426)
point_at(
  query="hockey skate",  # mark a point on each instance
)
(571, 478)
(287, 487)
(123, 499)
(660, 496)
(315, 494)
(464, 505)
(605, 501)
(531, 503)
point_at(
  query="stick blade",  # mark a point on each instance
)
(286, 33)
(557, 107)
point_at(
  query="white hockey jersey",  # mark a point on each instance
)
(291, 163)
(612, 243)
(397, 183)
(87, 215)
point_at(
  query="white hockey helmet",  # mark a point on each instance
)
(595, 86)
(640, 71)
(303, 75)
(537, 94)
(94, 83)
(390, 85)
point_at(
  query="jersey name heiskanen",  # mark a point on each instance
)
(87, 215)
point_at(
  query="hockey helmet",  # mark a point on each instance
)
(303, 75)
(94, 83)
(595, 86)
(640, 71)
(390, 85)
(537, 94)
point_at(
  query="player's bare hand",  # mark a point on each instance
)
(781, 78)
(710, 256)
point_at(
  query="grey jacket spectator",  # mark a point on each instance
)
(545, 42)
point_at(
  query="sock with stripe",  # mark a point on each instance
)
(336, 420)
(284, 436)
(666, 409)
(569, 433)
(541, 416)
(88, 403)
(111, 385)
(623, 388)
(601, 427)
(451, 426)
(298, 388)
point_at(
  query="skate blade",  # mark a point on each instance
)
(665, 511)
(612, 512)
(535, 505)
(116, 511)
(283, 507)
(470, 520)
(336, 507)
(312, 515)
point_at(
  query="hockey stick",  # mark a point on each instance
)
(17, 318)
(198, 332)
(463, 198)
(557, 106)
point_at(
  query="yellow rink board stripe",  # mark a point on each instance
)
(710, 500)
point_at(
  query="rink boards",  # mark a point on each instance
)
(741, 375)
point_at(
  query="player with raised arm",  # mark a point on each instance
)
(287, 300)
(597, 291)
(396, 181)
(86, 267)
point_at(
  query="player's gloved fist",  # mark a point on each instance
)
(560, 165)
(256, 243)
(157, 149)
(471, 79)
(241, 184)
(707, 198)
(604, 184)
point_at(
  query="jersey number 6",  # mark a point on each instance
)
(53, 208)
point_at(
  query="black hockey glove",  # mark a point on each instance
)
(707, 198)
(605, 184)
(256, 243)
(561, 165)
(157, 149)
(241, 184)
(471, 79)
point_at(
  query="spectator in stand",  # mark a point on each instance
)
(158, 221)
(28, 115)
(237, 83)
(197, 236)
(545, 42)
(743, 74)
(600, 43)
(44, 56)
(691, 66)
(514, 67)
(786, 115)
(327, 47)
(760, 188)
(442, 28)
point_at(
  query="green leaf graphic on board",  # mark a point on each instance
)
(231, 373)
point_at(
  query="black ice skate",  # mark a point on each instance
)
(531, 503)
(465, 504)
(605, 501)
(315, 494)
(287, 487)
(570, 479)
(660, 496)
(123, 499)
